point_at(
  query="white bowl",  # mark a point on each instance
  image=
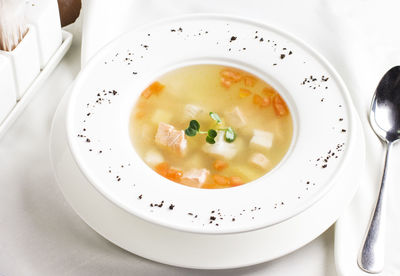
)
(98, 112)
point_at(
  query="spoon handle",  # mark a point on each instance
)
(371, 258)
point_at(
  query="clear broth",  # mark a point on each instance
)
(219, 89)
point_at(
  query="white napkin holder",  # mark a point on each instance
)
(8, 93)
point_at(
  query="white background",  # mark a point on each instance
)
(41, 235)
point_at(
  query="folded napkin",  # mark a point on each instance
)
(360, 38)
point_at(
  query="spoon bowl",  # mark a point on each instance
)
(385, 107)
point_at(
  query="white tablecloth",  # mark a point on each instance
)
(41, 235)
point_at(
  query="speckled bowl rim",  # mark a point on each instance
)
(305, 205)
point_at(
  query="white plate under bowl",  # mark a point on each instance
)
(193, 250)
(98, 112)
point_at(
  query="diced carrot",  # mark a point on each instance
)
(280, 106)
(210, 185)
(153, 89)
(171, 173)
(219, 165)
(231, 74)
(249, 81)
(174, 174)
(226, 82)
(221, 180)
(261, 101)
(243, 93)
(269, 91)
(140, 114)
(162, 168)
(236, 181)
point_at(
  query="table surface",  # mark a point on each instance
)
(41, 235)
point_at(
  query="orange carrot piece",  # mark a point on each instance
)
(249, 81)
(261, 101)
(162, 168)
(226, 82)
(269, 91)
(171, 173)
(231, 74)
(235, 181)
(243, 93)
(219, 165)
(174, 174)
(210, 185)
(221, 180)
(280, 106)
(153, 89)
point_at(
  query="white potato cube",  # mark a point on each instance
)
(161, 116)
(153, 158)
(262, 139)
(247, 173)
(260, 160)
(191, 111)
(236, 118)
(195, 177)
(221, 148)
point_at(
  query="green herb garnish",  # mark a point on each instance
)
(215, 117)
(230, 135)
(194, 128)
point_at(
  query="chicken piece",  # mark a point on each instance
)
(221, 148)
(168, 136)
(191, 111)
(236, 118)
(153, 158)
(262, 139)
(260, 160)
(195, 177)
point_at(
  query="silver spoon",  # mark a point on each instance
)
(385, 121)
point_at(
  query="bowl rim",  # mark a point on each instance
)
(304, 206)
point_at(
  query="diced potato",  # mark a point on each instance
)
(259, 160)
(195, 177)
(236, 118)
(245, 172)
(161, 116)
(221, 148)
(153, 157)
(192, 111)
(146, 132)
(168, 136)
(261, 138)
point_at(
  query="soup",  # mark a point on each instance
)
(211, 126)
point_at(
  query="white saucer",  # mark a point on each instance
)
(193, 250)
